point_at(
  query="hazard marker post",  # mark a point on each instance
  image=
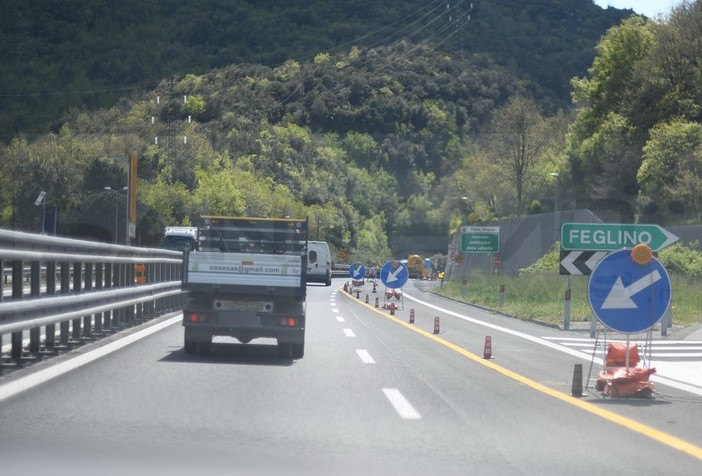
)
(367, 298)
(437, 329)
(411, 318)
(566, 314)
(577, 387)
(377, 302)
(487, 350)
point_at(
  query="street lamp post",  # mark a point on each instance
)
(555, 174)
(110, 189)
(466, 200)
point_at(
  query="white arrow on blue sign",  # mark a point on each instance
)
(357, 271)
(394, 274)
(628, 297)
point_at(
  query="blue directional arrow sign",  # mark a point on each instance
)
(357, 271)
(628, 297)
(394, 274)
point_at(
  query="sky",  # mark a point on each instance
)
(650, 8)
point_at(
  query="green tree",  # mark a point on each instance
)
(671, 173)
(515, 143)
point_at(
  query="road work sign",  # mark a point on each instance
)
(626, 296)
(612, 237)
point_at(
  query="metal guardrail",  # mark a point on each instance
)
(340, 270)
(88, 289)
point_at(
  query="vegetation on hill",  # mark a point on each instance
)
(58, 55)
(402, 139)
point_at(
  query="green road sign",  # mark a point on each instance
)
(611, 236)
(480, 239)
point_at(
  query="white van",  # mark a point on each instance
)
(318, 262)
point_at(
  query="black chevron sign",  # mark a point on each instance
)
(580, 262)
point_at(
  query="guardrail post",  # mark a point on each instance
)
(109, 316)
(17, 285)
(87, 286)
(65, 280)
(17, 293)
(158, 275)
(129, 276)
(99, 282)
(35, 291)
(77, 284)
(117, 314)
(50, 340)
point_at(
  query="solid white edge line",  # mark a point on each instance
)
(537, 340)
(401, 405)
(365, 356)
(17, 386)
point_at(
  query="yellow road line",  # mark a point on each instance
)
(633, 425)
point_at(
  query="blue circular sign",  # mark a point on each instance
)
(628, 297)
(357, 271)
(394, 274)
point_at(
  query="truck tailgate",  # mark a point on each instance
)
(243, 269)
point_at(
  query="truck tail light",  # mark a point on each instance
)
(289, 322)
(195, 317)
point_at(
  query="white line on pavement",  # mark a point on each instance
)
(13, 388)
(401, 405)
(349, 333)
(365, 356)
(340, 319)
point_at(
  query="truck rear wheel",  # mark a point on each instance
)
(197, 347)
(190, 347)
(298, 350)
(196, 343)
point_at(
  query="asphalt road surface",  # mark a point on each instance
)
(374, 394)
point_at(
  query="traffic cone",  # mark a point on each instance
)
(436, 325)
(374, 286)
(391, 306)
(411, 319)
(577, 388)
(358, 294)
(367, 298)
(487, 351)
(346, 286)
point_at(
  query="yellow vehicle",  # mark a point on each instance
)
(419, 267)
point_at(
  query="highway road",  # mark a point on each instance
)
(374, 394)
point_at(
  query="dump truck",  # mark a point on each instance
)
(247, 280)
